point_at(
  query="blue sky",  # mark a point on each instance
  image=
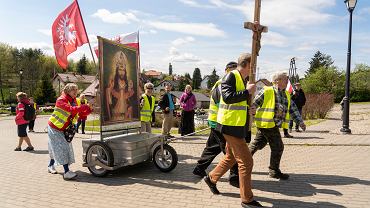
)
(202, 33)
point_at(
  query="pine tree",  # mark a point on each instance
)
(212, 79)
(82, 65)
(319, 60)
(197, 78)
(45, 92)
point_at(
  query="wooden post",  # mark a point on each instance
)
(257, 29)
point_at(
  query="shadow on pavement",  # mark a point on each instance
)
(39, 152)
(301, 185)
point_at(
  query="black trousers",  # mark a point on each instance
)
(273, 137)
(215, 145)
(31, 124)
(82, 123)
(187, 122)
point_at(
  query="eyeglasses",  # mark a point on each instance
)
(149, 88)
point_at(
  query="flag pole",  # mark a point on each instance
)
(83, 23)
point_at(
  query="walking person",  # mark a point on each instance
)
(31, 124)
(82, 116)
(216, 142)
(21, 122)
(187, 103)
(147, 103)
(299, 99)
(167, 104)
(232, 123)
(61, 151)
(274, 108)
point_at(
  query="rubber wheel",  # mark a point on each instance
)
(104, 154)
(168, 162)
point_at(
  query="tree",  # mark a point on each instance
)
(82, 65)
(213, 78)
(319, 60)
(45, 92)
(197, 78)
(170, 69)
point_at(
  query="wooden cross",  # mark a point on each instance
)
(257, 30)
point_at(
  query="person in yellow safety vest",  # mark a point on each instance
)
(232, 123)
(216, 142)
(82, 116)
(31, 124)
(147, 103)
(274, 108)
(61, 151)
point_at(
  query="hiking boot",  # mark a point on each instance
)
(28, 149)
(212, 186)
(69, 175)
(201, 173)
(18, 149)
(251, 204)
(52, 170)
(279, 175)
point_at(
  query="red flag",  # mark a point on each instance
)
(68, 33)
(130, 40)
(289, 87)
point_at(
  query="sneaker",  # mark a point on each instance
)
(279, 175)
(200, 173)
(234, 181)
(290, 130)
(83, 133)
(297, 130)
(28, 149)
(69, 175)
(251, 204)
(170, 136)
(51, 169)
(18, 149)
(212, 186)
(288, 136)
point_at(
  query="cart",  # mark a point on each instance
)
(121, 143)
(103, 156)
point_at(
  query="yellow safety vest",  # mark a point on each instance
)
(59, 117)
(264, 117)
(146, 111)
(233, 114)
(213, 107)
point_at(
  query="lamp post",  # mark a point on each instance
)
(351, 4)
(20, 79)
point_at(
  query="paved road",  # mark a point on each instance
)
(327, 170)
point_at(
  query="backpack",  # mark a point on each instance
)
(29, 112)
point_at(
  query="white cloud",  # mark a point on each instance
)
(274, 39)
(176, 56)
(45, 31)
(35, 45)
(115, 18)
(182, 41)
(194, 3)
(145, 32)
(310, 46)
(289, 14)
(201, 29)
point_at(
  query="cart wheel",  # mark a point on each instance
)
(168, 161)
(102, 152)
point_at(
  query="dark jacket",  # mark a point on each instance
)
(164, 102)
(299, 98)
(229, 95)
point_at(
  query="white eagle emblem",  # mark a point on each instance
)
(66, 31)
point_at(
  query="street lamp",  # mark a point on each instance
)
(20, 78)
(351, 4)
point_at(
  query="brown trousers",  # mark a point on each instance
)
(236, 151)
(167, 123)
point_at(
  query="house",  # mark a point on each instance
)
(204, 83)
(91, 91)
(160, 87)
(61, 79)
(261, 83)
(153, 74)
(202, 100)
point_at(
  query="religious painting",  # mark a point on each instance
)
(119, 82)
